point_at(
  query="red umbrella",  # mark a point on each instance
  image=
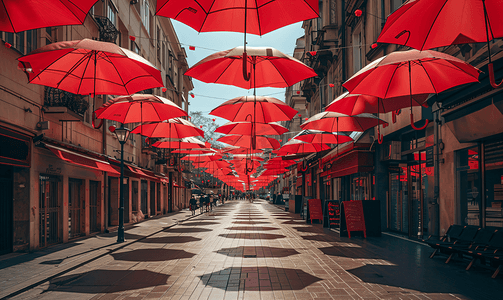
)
(255, 17)
(185, 143)
(411, 73)
(252, 128)
(296, 147)
(203, 158)
(175, 128)
(246, 141)
(335, 122)
(355, 104)
(428, 24)
(139, 108)
(22, 15)
(323, 137)
(90, 67)
(217, 164)
(270, 68)
(259, 108)
(239, 150)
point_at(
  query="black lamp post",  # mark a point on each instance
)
(122, 135)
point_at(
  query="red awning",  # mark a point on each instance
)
(82, 159)
(144, 173)
(351, 162)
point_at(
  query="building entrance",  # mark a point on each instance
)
(6, 209)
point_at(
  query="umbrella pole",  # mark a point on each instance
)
(379, 135)
(411, 113)
(490, 66)
(246, 75)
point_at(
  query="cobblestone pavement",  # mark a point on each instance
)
(241, 251)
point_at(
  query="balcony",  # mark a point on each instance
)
(65, 106)
(108, 31)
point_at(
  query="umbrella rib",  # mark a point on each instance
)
(206, 12)
(452, 65)
(389, 83)
(433, 23)
(258, 17)
(427, 74)
(8, 16)
(78, 7)
(74, 67)
(118, 73)
(271, 61)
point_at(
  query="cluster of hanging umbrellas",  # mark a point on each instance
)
(399, 80)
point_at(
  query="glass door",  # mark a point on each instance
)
(398, 200)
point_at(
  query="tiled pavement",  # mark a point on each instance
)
(241, 251)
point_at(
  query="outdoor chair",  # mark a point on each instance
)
(451, 235)
(465, 239)
(482, 238)
(485, 251)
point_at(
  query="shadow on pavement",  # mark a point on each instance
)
(294, 222)
(152, 255)
(319, 238)
(249, 218)
(348, 252)
(250, 251)
(259, 279)
(283, 218)
(252, 228)
(187, 230)
(171, 240)
(253, 236)
(250, 222)
(198, 223)
(107, 281)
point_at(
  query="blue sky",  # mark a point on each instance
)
(210, 95)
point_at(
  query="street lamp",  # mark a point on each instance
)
(122, 135)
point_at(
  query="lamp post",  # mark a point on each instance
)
(122, 135)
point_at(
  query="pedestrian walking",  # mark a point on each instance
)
(193, 205)
(201, 203)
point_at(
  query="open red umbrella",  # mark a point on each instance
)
(22, 15)
(239, 150)
(335, 122)
(246, 141)
(185, 143)
(408, 73)
(139, 108)
(295, 147)
(269, 68)
(355, 104)
(90, 67)
(252, 128)
(323, 137)
(262, 109)
(255, 17)
(428, 24)
(175, 128)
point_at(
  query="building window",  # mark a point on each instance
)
(357, 49)
(493, 162)
(135, 48)
(158, 37)
(111, 13)
(24, 42)
(145, 15)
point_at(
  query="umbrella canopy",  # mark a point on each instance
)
(355, 104)
(252, 128)
(323, 137)
(428, 24)
(269, 68)
(335, 122)
(246, 141)
(139, 108)
(90, 67)
(202, 158)
(262, 109)
(175, 128)
(411, 73)
(239, 150)
(255, 17)
(296, 147)
(217, 164)
(438, 23)
(404, 73)
(194, 151)
(22, 15)
(185, 143)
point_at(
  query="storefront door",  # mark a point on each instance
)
(143, 195)
(152, 199)
(49, 206)
(398, 201)
(93, 206)
(6, 209)
(75, 208)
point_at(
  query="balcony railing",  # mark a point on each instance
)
(59, 98)
(108, 31)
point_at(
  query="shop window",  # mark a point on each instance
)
(493, 156)
(361, 186)
(469, 186)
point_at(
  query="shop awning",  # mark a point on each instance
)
(144, 173)
(82, 159)
(352, 162)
